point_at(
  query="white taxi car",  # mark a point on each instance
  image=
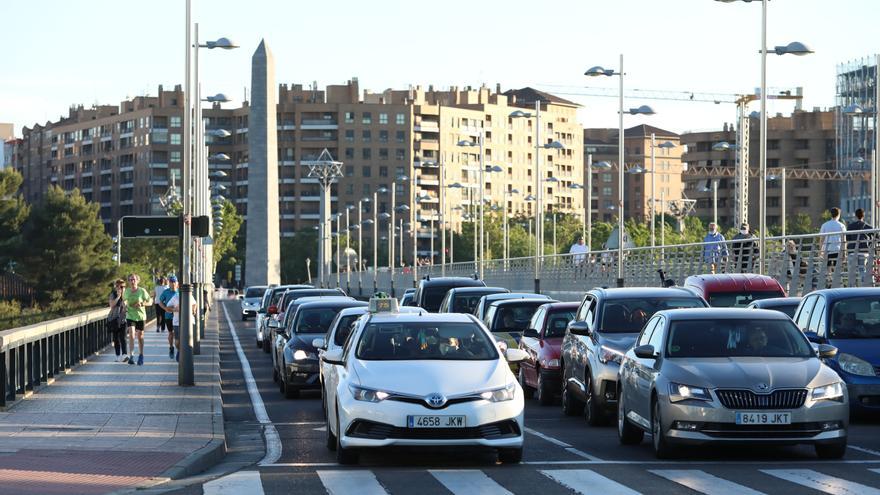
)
(421, 379)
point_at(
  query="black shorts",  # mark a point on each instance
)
(832, 259)
(160, 315)
(137, 324)
(169, 324)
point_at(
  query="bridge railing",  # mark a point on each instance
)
(798, 262)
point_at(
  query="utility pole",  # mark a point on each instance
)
(326, 170)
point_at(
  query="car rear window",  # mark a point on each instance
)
(254, 292)
(740, 299)
(515, 317)
(557, 322)
(630, 315)
(434, 297)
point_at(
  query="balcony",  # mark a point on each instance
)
(427, 182)
(427, 126)
(156, 182)
(286, 126)
(127, 185)
(309, 216)
(320, 124)
(158, 165)
(126, 167)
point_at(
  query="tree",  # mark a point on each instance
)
(161, 255)
(294, 251)
(800, 224)
(225, 239)
(65, 253)
(13, 213)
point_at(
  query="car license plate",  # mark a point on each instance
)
(763, 418)
(436, 421)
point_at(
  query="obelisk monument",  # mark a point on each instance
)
(262, 255)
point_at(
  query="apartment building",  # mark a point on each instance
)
(641, 173)
(127, 156)
(803, 143)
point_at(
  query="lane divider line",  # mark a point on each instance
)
(270, 434)
(568, 448)
(863, 449)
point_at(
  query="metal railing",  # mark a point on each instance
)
(801, 263)
(33, 355)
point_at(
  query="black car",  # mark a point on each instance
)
(297, 361)
(465, 299)
(280, 320)
(268, 310)
(787, 305)
(606, 325)
(431, 291)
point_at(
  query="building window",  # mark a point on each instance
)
(367, 118)
(349, 117)
(383, 136)
(383, 153)
(606, 191)
(349, 170)
(383, 171)
(401, 119)
(175, 139)
(383, 118)
(606, 178)
(400, 154)
(367, 171)
(349, 135)
(366, 154)
(400, 137)
(175, 121)
(367, 192)
(349, 153)
(175, 156)
(349, 188)
(366, 136)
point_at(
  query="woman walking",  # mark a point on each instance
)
(116, 321)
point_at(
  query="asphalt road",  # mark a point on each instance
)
(562, 454)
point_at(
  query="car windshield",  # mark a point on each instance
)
(467, 303)
(314, 320)
(254, 292)
(515, 317)
(630, 315)
(736, 338)
(343, 329)
(425, 341)
(856, 318)
(557, 321)
(740, 299)
(434, 296)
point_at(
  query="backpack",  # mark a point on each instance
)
(116, 318)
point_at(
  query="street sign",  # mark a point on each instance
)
(161, 226)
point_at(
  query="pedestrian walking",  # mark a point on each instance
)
(832, 242)
(714, 248)
(580, 250)
(858, 245)
(116, 320)
(163, 301)
(161, 286)
(744, 247)
(174, 306)
(136, 300)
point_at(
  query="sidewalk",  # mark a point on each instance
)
(106, 426)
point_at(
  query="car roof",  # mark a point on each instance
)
(249, 287)
(733, 281)
(465, 290)
(630, 292)
(560, 306)
(513, 302)
(847, 292)
(423, 316)
(283, 288)
(332, 302)
(722, 314)
(776, 301)
(456, 281)
(514, 295)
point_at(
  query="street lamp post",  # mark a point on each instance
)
(714, 189)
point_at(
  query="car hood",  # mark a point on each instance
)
(748, 372)
(867, 349)
(304, 341)
(420, 378)
(617, 341)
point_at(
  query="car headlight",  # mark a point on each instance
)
(854, 365)
(679, 392)
(833, 392)
(367, 394)
(300, 355)
(550, 363)
(607, 354)
(499, 394)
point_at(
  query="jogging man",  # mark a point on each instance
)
(174, 306)
(136, 301)
(164, 299)
(161, 286)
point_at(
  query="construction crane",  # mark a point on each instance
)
(741, 168)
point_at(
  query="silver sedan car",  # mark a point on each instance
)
(724, 376)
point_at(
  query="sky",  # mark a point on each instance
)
(59, 53)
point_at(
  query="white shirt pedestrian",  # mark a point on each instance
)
(579, 250)
(831, 244)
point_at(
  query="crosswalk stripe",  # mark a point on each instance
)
(703, 482)
(821, 482)
(579, 480)
(468, 482)
(241, 482)
(351, 482)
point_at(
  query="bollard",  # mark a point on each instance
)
(185, 365)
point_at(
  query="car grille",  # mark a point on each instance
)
(380, 431)
(746, 399)
(422, 402)
(730, 430)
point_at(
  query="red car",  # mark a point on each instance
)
(540, 372)
(734, 290)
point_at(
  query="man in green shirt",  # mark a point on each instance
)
(136, 301)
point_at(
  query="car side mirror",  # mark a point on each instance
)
(827, 351)
(531, 333)
(580, 328)
(515, 355)
(332, 356)
(318, 343)
(645, 352)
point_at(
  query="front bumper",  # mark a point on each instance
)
(605, 385)
(552, 377)
(865, 397)
(304, 374)
(487, 425)
(711, 423)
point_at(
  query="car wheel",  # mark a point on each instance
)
(266, 346)
(510, 456)
(274, 375)
(831, 450)
(571, 406)
(527, 390)
(343, 455)
(331, 438)
(662, 449)
(545, 395)
(592, 412)
(627, 433)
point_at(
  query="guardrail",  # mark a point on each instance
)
(799, 262)
(34, 355)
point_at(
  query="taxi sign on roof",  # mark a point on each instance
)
(383, 305)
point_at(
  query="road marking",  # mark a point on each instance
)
(568, 448)
(703, 482)
(821, 482)
(584, 481)
(273, 441)
(468, 481)
(241, 482)
(300, 464)
(862, 449)
(875, 470)
(696, 463)
(351, 482)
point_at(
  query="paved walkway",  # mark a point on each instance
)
(106, 426)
